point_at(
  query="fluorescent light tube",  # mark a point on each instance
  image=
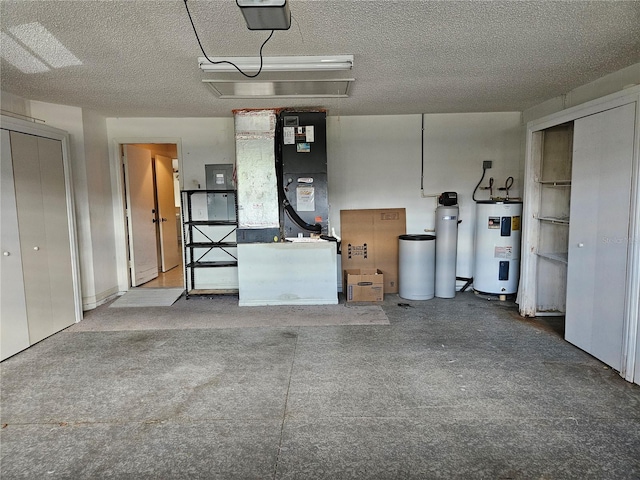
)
(309, 63)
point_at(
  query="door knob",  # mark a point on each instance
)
(163, 220)
(580, 245)
(154, 220)
(36, 248)
(6, 254)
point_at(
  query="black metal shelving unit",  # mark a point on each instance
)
(201, 237)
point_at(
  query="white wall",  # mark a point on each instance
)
(375, 162)
(100, 196)
(93, 196)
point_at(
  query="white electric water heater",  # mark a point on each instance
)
(497, 252)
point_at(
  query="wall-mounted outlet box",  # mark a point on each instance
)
(486, 164)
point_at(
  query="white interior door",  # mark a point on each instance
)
(56, 225)
(14, 330)
(169, 248)
(599, 232)
(45, 243)
(141, 215)
(33, 237)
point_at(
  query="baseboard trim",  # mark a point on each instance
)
(89, 303)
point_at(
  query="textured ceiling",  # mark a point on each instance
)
(139, 57)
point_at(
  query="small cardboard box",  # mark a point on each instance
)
(363, 285)
(370, 240)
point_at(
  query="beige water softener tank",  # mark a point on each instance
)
(446, 250)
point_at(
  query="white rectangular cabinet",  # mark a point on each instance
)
(40, 294)
(287, 273)
(581, 236)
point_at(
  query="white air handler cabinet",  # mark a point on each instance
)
(581, 220)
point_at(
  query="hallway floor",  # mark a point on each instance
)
(169, 279)
(461, 388)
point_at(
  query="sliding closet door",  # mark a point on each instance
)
(44, 234)
(56, 225)
(26, 169)
(599, 232)
(14, 330)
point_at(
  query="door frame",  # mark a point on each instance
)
(120, 214)
(527, 290)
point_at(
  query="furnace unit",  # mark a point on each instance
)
(301, 163)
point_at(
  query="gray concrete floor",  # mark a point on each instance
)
(460, 388)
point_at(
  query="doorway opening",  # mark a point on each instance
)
(153, 216)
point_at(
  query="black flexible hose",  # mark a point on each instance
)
(484, 170)
(507, 185)
(293, 215)
(226, 61)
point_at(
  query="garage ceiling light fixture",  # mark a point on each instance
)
(252, 89)
(303, 63)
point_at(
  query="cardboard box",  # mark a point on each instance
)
(370, 240)
(364, 285)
